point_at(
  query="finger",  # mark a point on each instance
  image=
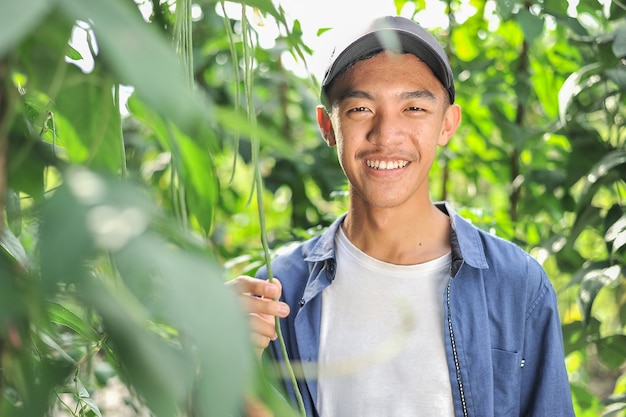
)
(262, 332)
(276, 282)
(249, 285)
(264, 326)
(259, 342)
(265, 306)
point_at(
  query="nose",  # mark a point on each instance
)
(386, 130)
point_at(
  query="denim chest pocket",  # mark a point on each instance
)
(506, 382)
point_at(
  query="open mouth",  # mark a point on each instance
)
(386, 165)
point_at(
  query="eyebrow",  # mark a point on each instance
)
(407, 95)
(355, 94)
(427, 94)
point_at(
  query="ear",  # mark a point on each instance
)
(326, 127)
(451, 121)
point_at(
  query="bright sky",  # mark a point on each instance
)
(336, 14)
(329, 14)
(313, 15)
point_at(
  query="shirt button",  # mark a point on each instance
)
(302, 302)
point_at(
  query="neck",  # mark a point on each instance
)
(399, 236)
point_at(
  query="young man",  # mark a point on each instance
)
(402, 307)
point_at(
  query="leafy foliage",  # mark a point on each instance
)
(120, 222)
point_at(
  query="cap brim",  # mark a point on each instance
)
(384, 40)
(398, 35)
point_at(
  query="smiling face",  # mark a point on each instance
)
(388, 114)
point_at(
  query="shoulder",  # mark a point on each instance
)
(486, 250)
(504, 254)
(507, 270)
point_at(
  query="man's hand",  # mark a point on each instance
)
(259, 300)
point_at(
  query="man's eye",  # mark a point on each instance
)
(359, 109)
(415, 108)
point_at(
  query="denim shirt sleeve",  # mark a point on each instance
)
(544, 386)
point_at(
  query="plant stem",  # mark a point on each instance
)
(116, 89)
(4, 111)
(184, 48)
(258, 185)
(268, 263)
(182, 38)
(233, 56)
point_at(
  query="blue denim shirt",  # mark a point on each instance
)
(503, 334)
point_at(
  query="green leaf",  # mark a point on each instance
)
(52, 344)
(85, 398)
(13, 207)
(42, 58)
(88, 213)
(236, 121)
(466, 46)
(18, 18)
(12, 249)
(72, 53)
(563, 19)
(65, 242)
(91, 404)
(140, 57)
(264, 6)
(505, 8)
(28, 156)
(573, 337)
(92, 213)
(588, 217)
(622, 311)
(617, 10)
(200, 179)
(587, 147)
(550, 178)
(188, 279)
(612, 350)
(618, 76)
(585, 400)
(600, 172)
(532, 25)
(192, 159)
(59, 314)
(512, 132)
(616, 406)
(593, 280)
(555, 7)
(158, 370)
(573, 85)
(619, 44)
(616, 234)
(93, 120)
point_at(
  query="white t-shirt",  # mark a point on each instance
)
(382, 349)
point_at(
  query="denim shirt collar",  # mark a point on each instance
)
(465, 242)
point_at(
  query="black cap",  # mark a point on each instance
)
(397, 34)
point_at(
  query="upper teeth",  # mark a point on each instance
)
(376, 164)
